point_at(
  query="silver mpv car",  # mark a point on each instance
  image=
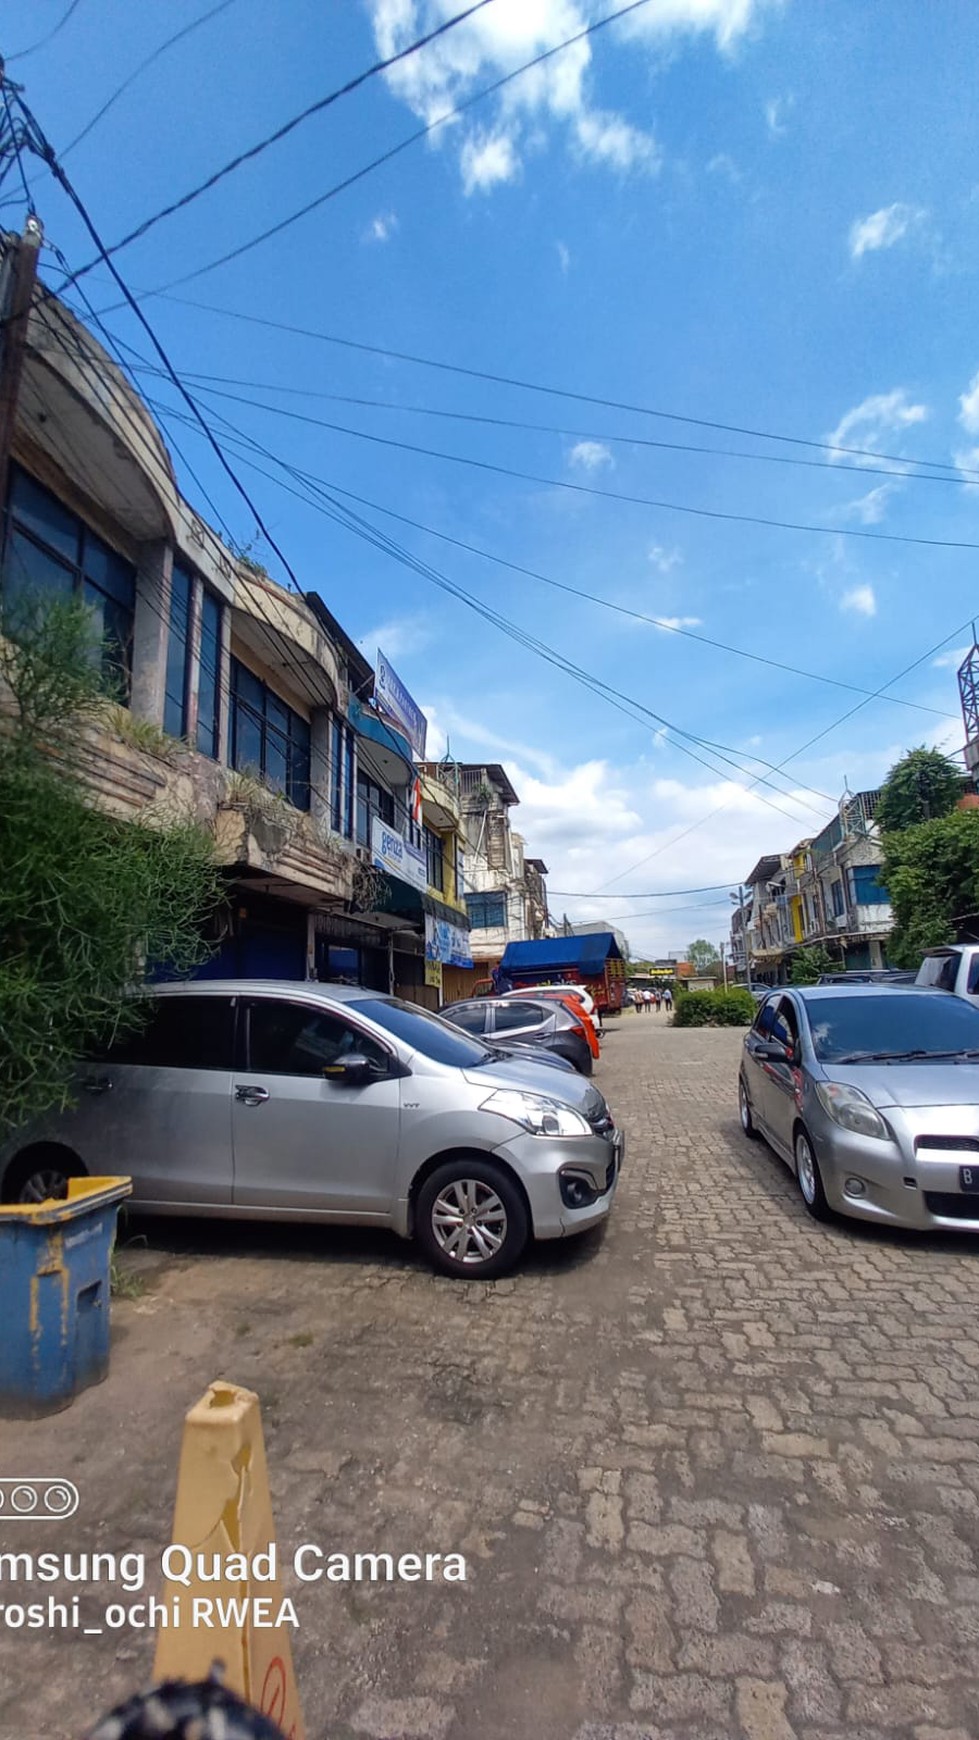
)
(870, 1093)
(272, 1101)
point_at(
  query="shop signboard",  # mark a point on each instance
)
(391, 697)
(447, 943)
(393, 853)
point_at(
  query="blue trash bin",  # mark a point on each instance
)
(54, 1296)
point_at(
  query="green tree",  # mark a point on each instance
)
(932, 875)
(920, 787)
(703, 956)
(809, 963)
(87, 903)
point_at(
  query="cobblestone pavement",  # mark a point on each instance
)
(716, 1474)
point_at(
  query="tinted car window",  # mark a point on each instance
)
(424, 1032)
(295, 1039)
(470, 1017)
(940, 970)
(973, 985)
(510, 1016)
(762, 1023)
(180, 1033)
(891, 1020)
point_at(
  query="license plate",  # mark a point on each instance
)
(969, 1180)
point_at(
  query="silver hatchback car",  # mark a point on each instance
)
(870, 1094)
(262, 1100)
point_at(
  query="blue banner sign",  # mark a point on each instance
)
(392, 698)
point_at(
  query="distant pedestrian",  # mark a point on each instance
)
(667, 1000)
(658, 998)
(637, 1001)
(647, 998)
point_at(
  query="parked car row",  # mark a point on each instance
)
(260, 1100)
(553, 1020)
(870, 1095)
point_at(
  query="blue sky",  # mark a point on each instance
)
(756, 213)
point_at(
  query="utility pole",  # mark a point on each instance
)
(18, 275)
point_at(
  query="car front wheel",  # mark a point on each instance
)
(748, 1124)
(809, 1178)
(471, 1219)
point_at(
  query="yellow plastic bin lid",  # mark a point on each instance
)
(84, 1195)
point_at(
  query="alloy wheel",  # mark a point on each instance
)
(469, 1221)
(806, 1169)
(43, 1186)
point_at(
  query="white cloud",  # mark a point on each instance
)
(381, 228)
(882, 229)
(722, 164)
(502, 37)
(487, 160)
(879, 418)
(590, 455)
(969, 407)
(665, 622)
(966, 461)
(664, 559)
(776, 113)
(564, 256)
(871, 508)
(609, 139)
(950, 661)
(398, 637)
(860, 601)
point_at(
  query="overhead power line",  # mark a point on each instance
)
(664, 624)
(623, 703)
(45, 150)
(171, 42)
(280, 133)
(22, 53)
(214, 382)
(609, 494)
(557, 392)
(386, 156)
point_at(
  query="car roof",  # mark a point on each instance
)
(819, 993)
(263, 988)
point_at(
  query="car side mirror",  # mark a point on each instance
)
(773, 1051)
(355, 1070)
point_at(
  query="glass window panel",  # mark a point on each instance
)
(299, 776)
(246, 740)
(41, 512)
(348, 781)
(181, 1033)
(208, 713)
(276, 762)
(293, 1039)
(110, 572)
(31, 573)
(276, 711)
(247, 687)
(117, 640)
(175, 700)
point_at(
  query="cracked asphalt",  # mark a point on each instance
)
(715, 1473)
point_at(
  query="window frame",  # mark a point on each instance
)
(250, 1004)
(297, 791)
(81, 574)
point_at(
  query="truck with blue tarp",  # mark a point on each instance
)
(593, 960)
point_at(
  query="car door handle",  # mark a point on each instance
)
(97, 1084)
(251, 1096)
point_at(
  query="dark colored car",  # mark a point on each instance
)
(502, 1021)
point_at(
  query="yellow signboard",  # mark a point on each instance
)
(433, 974)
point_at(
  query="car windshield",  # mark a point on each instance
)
(895, 1024)
(426, 1032)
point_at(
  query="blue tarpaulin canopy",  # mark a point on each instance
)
(588, 953)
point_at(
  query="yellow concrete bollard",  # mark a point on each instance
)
(222, 1521)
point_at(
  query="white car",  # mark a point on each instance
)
(954, 968)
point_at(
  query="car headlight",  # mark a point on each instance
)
(534, 1112)
(851, 1109)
